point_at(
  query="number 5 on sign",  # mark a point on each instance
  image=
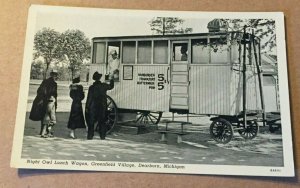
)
(160, 83)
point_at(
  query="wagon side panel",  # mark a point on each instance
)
(252, 91)
(142, 92)
(236, 91)
(210, 89)
(253, 97)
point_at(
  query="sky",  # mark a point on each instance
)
(95, 22)
(102, 22)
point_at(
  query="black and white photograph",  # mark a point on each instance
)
(154, 91)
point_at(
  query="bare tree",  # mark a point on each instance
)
(263, 28)
(168, 25)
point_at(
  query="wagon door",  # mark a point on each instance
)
(179, 76)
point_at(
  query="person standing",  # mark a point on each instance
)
(96, 106)
(45, 104)
(76, 119)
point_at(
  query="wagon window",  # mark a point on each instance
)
(99, 52)
(200, 51)
(250, 55)
(113, 61)
(219, 51)
(257, 48)
(113, 47)
(144, 52)
(247, 54)
(269, 80)
(235, 52)
(180, 52)
(160, 52)
(129, 50)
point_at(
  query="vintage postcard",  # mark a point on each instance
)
(154, 91)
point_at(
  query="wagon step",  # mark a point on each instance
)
(165, 132)
(173, 132)
(177, 122)
(182, 122)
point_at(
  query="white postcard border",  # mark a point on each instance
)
(287, 170)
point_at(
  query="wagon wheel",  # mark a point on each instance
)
(112, 114)
(147, 117)
(221, 130)
(250, 131)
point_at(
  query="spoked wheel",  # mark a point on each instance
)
(112, 114)
(221, 130)
(147, 117)
(250, 131)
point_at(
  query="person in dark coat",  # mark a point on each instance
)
(96, 106)
(45, 104)
(76, 119)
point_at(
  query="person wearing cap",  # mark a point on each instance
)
(113, 65)
(45, 105)
(96, 106)
(76, 119)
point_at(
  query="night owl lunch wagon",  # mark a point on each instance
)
(216, 74)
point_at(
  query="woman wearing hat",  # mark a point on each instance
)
(96, 106)
(76, 119)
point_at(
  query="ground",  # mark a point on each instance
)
(124, 144)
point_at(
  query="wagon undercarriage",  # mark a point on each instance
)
(223, 127)
(143, 117)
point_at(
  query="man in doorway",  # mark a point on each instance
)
(183, 51)
(113, 65)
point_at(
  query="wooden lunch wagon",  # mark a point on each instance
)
(216, 74)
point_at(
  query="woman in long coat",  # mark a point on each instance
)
(76, 119)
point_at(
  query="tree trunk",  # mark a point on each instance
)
(45, 73)
(72, 74)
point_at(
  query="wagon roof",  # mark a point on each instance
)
(160, 36)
